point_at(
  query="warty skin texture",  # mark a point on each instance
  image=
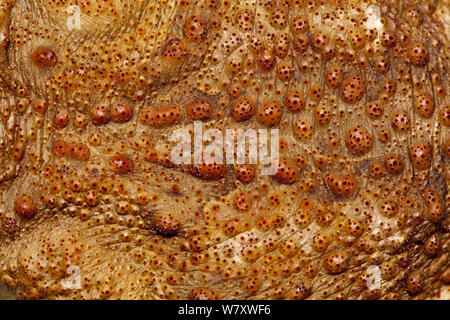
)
(362, 105)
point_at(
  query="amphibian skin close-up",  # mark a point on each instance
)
(93, 204)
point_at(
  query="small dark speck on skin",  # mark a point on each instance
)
(65, 170)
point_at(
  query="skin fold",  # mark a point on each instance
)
(93, 207)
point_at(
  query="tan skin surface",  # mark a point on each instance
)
(86, 179)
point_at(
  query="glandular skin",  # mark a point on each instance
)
(92, 206)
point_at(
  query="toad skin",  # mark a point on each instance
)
(358, 89)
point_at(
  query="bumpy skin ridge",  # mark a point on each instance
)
(358, 90)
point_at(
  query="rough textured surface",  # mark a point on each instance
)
(86, 181)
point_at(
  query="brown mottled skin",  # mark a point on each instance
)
(86, 178)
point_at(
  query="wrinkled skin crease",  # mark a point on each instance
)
(86, 117)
